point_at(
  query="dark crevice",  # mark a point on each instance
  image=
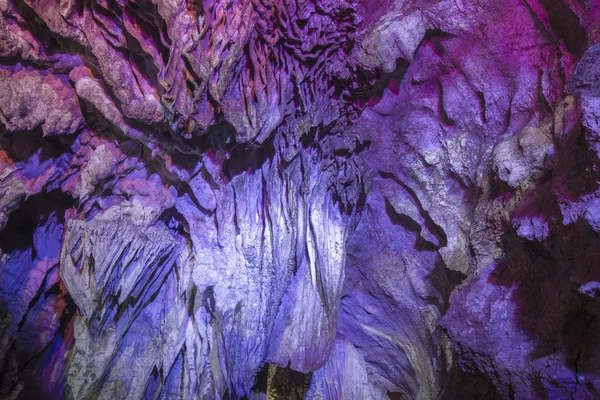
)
(434, 228)
(435, 37)
(248, 158)
(466, 382)
(261, 380)
(176, 222)
(22, 145)
(370, 86)
(482, 106)
(32, 212)
(564, 21)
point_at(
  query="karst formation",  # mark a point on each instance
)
(300, 199)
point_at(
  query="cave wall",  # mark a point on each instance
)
(335, 199)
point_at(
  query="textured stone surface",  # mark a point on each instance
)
(341, 199)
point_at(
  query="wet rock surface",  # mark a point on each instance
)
(299, 200)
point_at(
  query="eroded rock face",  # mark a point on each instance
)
(304, 199)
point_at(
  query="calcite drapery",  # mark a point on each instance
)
(308, 199)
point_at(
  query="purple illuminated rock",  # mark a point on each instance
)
(341, 199)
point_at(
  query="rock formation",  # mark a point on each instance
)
(332, 199)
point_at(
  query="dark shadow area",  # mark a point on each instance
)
(564, 21)
(550, 308)
(435, 37)
(248, 158)
(395, 395)
(577, 171)
(444, 281)
(18, 232)
(468, 385)
(220, 145)
(22, 145)
(499, 188)
(261, 381)
(175, 221)
(371, 85)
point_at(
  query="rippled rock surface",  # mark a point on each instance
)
(264, 199)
